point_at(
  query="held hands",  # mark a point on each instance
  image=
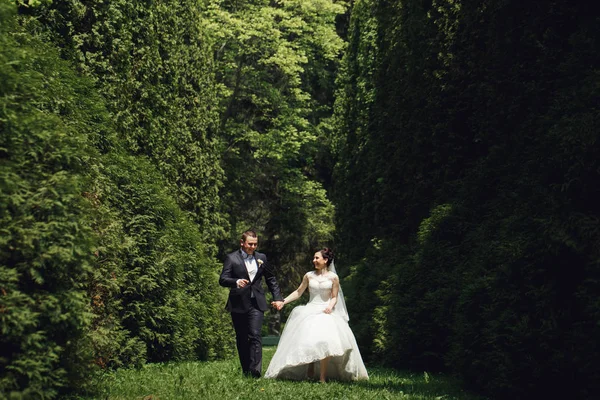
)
(278, 305)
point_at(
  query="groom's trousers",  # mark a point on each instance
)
(248, 339)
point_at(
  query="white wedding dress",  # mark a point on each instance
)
(310, 335)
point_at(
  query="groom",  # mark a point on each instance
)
(243, 271)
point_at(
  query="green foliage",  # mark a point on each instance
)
(167, 297)
(32, 3)
(152, 63)
(100, 265)
(46, 245)
(114, 346)
(474, 165)
(363, 291)
(357, 183)
(353, 115)
(275, 63)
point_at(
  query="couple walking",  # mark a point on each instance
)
(316, 340)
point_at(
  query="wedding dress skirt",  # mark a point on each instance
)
(310, 335)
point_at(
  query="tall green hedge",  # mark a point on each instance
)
(102, 264)
(46, 241)
(477, 217)
(152, 63)
(166, 297)
(354, 190)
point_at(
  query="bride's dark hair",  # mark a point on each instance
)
(327, 254)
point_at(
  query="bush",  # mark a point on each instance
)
(47, 244)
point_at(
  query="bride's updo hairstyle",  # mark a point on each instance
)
(327, 254)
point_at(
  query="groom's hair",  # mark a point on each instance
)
(247, 234)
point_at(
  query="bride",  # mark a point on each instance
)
(317, 338)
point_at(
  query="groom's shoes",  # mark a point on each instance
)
(255, 373)
(252, 374)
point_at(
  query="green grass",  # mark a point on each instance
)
(223, 380)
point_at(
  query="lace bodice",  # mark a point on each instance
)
(319, 287)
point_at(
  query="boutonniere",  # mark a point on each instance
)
(260, 262)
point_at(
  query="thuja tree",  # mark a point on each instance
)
(158, 283)
(353, 168)
(484, 204)
(150, 63)
(46, 240)
(526, 208)
(100, 266)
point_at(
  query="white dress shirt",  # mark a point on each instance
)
(250, 262)
(251, 267)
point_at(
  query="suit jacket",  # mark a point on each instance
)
(240, 299)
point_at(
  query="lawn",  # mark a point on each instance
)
(223, 380)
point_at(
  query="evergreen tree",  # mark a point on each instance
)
(47, 243)
(473, 201)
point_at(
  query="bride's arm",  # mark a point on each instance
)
(334, 293)
(295, 295)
